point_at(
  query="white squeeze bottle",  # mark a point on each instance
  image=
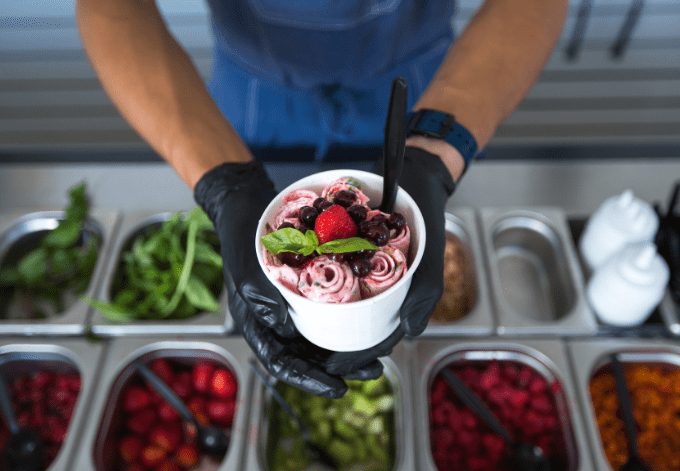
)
(626, 289)
(620, 220)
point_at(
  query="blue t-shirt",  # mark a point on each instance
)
(317, 72)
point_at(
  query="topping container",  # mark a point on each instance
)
(132, 225)
(537, 286)
(546, 357)
(477, 318)
(590, 356)
(97, 449)
(19, 233)
(25, 356)
(396, 370)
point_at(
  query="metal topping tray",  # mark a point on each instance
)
(548, 357)
(21, 354)
(537, 286)
(587, 356)
(670, 313)
(133, 224)
(479, 320)
(19, 232)
(117, 369)
(397, 371)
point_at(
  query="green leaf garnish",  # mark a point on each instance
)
(289, 240)
(293, 240)
(352, 244)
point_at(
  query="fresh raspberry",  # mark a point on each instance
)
(130, 448)
(187, 456)
(223, 384)
(334, 223)
(221, 412)
(152, 456)
(167, 413)
(168, 465)
(142, 421)
(166, 436)
(201, 374)
(163, 370)
(135, 398)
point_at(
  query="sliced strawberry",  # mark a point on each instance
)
(152, 456)
(223, 384)
(182, 385)
(196, 405)
(142, 421)
(135, 398)
(221, 412)
(166, 436)
(41, 379)
(201, 375)
(163, 370)
(334, 223)
(187, 456)
(130, 448)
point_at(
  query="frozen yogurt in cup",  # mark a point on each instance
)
(330, 306)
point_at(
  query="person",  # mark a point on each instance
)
(317, 73)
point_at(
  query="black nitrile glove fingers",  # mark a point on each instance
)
(373, 370)
(429, 183)
(290, 368)
(346, 364)
(235, 196)
(422, 298)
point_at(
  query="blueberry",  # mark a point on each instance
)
(379, 218)
(357, 212)
(285, 225)
(396, 221)
(321, 204)
(379, 234)
(292, 259)
(308, 215)
(345, 198)
(361, 267)
(360, 255)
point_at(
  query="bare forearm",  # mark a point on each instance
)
(156, 87)
(491, 66)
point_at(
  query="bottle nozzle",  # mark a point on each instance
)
(625, 198)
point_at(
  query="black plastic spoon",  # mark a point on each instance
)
(634, 462)
(394, 144)
(211, 440)
(317, 453)
(24, 452)
(526, 457)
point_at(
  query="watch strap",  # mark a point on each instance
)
(440, 125)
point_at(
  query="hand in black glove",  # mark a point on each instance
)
(428, 181)
(234, 196)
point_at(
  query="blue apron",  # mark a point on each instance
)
(318, 72)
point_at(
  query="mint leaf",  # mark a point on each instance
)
(352, 244)
(200, 296)
(312, 238)
(110, 311)
(289, 240)
(64, 235)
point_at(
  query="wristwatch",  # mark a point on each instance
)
(440, 125)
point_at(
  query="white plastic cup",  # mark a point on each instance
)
(626, 289)
(357, 325)
(620, 220)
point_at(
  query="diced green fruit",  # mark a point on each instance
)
(384, 403)
(342, 452)
(376, 426)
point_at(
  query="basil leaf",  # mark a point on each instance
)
(110, 311)
(200, 296)
(33, 266)
(312, 238)
(289, 240)
(64, 235)
(352, 244)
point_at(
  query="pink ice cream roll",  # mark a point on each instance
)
(388, 265)
(285, 274)
(290, 209)
(344, 183)
(327, 281)
(399, 240)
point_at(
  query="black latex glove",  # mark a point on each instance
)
(428, 181)
(234, 196)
